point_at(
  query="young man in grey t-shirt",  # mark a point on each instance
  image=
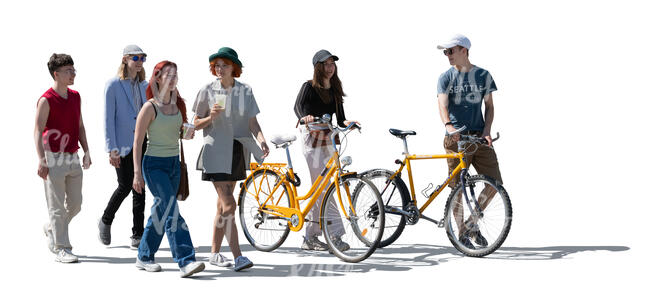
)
(462, 90)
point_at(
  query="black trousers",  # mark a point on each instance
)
(125, 186)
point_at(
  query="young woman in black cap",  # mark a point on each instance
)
(317, 97)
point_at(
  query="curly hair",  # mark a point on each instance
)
(58, 60)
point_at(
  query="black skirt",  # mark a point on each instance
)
(238, 170)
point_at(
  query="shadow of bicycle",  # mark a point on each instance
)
(397, 257)
(508, 253)
(548, 253)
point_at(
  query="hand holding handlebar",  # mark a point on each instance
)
(472, 138)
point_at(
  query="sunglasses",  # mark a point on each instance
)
(137, 58)
(449, 51)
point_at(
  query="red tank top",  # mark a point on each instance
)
(61, 132)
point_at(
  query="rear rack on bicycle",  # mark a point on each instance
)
(254, 165)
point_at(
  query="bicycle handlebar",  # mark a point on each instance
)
(472, 138)
(325, 123)
(302, 121)
(327, 119)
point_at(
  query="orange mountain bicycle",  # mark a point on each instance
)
(477, 215)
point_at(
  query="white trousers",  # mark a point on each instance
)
(317, 159)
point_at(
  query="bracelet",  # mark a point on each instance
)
(449, 123)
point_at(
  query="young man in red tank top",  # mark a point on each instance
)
(59, 128)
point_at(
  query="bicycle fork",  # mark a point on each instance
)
(476, 211)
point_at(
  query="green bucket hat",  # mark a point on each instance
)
(227, 52)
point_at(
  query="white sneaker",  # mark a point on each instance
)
(149, 266)
(242, 263)
(219, 260)
(192, 268)
(66, 256)
(50, 238)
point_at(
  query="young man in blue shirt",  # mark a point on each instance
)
(462, 90)
(124, 97)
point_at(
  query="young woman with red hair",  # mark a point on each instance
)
(226, 111)
(161, 118)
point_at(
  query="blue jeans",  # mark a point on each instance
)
(162, 176)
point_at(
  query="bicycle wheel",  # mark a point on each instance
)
(395, 195)
(482, 232)
(354, 231)
(263, 231)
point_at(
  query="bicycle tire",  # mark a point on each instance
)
(395, 223)
(260, 229)
(361, 232)
(493, 225)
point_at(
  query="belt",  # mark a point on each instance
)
(471, 132)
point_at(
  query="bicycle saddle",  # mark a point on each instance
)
(401, 133)
(282, 139)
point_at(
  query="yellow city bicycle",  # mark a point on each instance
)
(477, 215)
(269, 205)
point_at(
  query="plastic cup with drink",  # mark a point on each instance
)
(220, 99)
(188, 128)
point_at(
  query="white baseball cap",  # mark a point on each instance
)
(456, 40)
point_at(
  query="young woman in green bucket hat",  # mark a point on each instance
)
(226, 112)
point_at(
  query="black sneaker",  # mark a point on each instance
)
(477, 238)
(135, 242)
(104, 232)
(464, 240)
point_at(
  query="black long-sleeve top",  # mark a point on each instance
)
(309, 102)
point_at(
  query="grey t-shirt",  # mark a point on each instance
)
(231, 124)
(466, 92)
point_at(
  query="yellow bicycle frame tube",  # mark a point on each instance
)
(454, 173)
(321, 183)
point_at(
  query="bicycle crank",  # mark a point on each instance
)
(293, 216)
(412, 214)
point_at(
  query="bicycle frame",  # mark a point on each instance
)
(407, 163)
(322, 183)
(471, 228)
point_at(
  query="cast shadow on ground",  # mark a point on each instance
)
(397, 257)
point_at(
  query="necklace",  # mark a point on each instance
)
(162, 101)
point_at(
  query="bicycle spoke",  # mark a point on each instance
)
(265, 232)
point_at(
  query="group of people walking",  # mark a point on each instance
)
(146, 120)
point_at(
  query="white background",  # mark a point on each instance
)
(572, 79)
